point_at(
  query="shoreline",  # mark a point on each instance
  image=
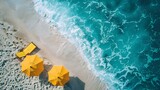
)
(54, 47)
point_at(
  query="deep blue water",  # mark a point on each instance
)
(119, 38)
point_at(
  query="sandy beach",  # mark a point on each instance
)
(54, 48)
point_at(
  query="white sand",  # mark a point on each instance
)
(11, 77)
(54, 47)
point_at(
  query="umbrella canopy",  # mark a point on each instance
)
(58, 75)
(32, 65)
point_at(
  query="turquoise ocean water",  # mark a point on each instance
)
(119, 38)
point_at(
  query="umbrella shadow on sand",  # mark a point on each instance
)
(74, 84)
(44, 75)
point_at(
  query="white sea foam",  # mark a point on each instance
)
(60, 16)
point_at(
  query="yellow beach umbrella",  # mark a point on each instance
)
(32, 65)
(58, 75)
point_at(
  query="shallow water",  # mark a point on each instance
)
(120, 38)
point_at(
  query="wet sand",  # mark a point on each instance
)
(54, 48)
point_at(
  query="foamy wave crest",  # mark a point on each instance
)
(60, 15)
(100, 38)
